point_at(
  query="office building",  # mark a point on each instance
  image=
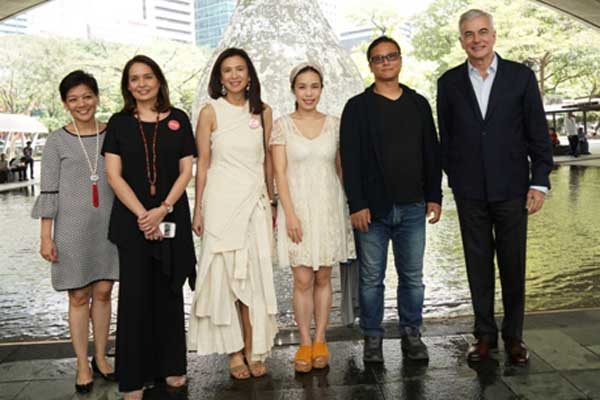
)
(171, 19)
(136, 22)
(17, 25)
(211, 18)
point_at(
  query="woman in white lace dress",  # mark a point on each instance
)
(313, 225)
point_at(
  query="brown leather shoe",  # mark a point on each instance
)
(480, 349)
(517, 351)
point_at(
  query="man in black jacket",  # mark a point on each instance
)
(491, 119)
(392, 177)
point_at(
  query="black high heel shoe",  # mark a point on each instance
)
(84, 388)
(110, 377)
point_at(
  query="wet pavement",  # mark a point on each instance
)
(564, 365)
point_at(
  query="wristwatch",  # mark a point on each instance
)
(167, 206)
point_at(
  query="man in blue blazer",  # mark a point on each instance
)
(491, 121)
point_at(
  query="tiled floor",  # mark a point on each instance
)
(565, 365)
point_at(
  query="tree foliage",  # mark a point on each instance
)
(564, 53)
(32, 68)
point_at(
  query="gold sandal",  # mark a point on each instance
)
(320, 355)
(239, 372)
(303, 359)
(256, 366)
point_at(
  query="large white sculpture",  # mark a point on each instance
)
(278, 34)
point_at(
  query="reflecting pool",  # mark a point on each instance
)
(563, 262)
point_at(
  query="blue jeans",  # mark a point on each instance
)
(405, 227)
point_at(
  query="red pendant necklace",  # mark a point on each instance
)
(93, 167)
(150, 172)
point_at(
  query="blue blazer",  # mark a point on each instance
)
(495, 157)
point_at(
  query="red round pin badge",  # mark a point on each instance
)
(174, 125)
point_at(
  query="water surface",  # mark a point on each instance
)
(563, 270)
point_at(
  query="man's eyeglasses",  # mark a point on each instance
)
(390, 57)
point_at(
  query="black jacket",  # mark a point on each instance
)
(486, 158)
(360, 150)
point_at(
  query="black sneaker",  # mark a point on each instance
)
(372, 351)
(413, 347)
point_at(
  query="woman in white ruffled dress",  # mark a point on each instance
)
(234, 307)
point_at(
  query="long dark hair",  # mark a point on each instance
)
(253, 94)
(163, 103)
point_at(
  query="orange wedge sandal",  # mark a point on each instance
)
(320, 355)
(303, 359)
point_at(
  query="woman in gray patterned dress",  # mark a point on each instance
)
(74, 208)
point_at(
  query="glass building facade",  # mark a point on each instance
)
(212, 17)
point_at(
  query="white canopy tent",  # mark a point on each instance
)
(18, 123)
(16, 127)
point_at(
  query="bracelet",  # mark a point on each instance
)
(167, 206)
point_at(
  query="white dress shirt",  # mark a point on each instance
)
(483, 88)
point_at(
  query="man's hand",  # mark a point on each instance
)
(361, 220)
(535, 201)
(436, 210)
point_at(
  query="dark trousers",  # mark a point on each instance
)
(574, 144)
(500, 228)
(150, 323)
(21, 172)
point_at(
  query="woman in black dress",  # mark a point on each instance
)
(149, 151)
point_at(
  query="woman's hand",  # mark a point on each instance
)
(149, 220)
(48, 250)
(154, 234)
(294, 228)
(198, 224)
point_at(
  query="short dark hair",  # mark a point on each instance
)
(76, 78)
(163, 103)
(378, 41)
(253, 94)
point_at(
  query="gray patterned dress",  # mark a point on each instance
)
(85, 254)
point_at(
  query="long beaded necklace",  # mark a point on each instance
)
(150, 172)
(93, 168)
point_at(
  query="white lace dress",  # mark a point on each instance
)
(317, 196)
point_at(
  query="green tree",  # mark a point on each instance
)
(383, 19)
(33, 67)
(563, 52)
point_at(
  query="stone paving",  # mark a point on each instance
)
(565, 365)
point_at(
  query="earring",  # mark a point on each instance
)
(248, 87)
(223, 90)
